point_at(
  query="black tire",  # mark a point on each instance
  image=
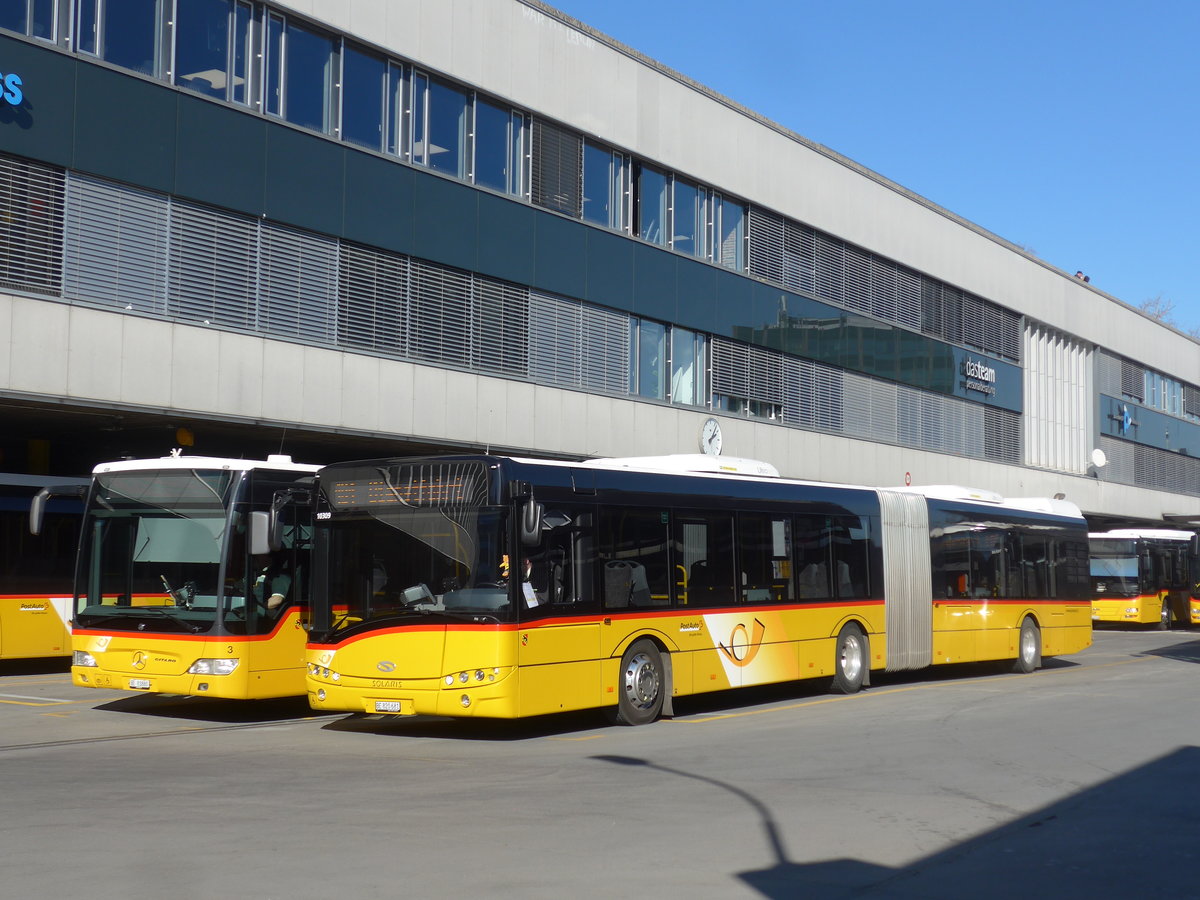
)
(642, 685)
(850, 661)
(1029, 648)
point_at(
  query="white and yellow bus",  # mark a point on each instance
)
(35, 568)
(188, 583)
(1144, 576)
(502, 587)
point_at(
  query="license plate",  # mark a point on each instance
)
(392, 706)
(139, 684)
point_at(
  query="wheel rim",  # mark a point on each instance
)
(642, 681)
(1028, 646)
(852, 658)
(1165, 615)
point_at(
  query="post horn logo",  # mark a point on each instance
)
(743, 647)
(139, 659)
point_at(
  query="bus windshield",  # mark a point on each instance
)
(417, 563)
(1114, 567)
(410, 541)
(151, 550)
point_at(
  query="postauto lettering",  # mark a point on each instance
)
(10, 89)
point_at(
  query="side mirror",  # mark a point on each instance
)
(531, 522)
(37, 506)
(260, 533)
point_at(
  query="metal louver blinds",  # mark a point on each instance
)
(115, 246)
(766, 245)
(372, 300)
(440, 314)
(577, 345)
(31, 226)
(499, 328)
(298, 278)
(557, 181)
(213, 271)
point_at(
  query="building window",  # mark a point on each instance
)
(440, 115)
(123, 32)
(299, 64)
(308, 87)
(652, 204)
(34, 17)
(687, 368)
(212, 46)
(500, 136)
(648, 359)
(730, 227)
(689, 218)
(604, 175)
(364, 82)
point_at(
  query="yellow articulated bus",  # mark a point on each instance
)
(35, 569)
(188, 583)
(1144, 576)
(502, 587)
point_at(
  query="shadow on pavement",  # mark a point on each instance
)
(1132, 836)
(211, 709)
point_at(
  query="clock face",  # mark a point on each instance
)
(710, 437)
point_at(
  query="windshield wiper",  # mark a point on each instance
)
(162, 611)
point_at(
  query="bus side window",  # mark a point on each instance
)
(635, 540)
(703, 549)
(765, 557)
(812, 558)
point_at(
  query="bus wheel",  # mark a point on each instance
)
(1029, 648)
(641, 688)
(1164, 617)
(851, 661)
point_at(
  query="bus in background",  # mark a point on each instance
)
(187, 581)
(502, 587)
(1144, 576)
(35, 569)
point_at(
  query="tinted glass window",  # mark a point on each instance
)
(598, 185)
(687, 367)
(363, 79)
(492, 140)
(202, 46)
(12, 15)
(688, 220)
(632, 555)
(242, 53)
(650, 364)
(765, 557)
(307, 89)
(131, 34)
(730, 253)
(703, 557)
(44, 19)
(274, 91)
(652, 205)
(447, 129)
(85, 25)
(561, 570)
(812, 558)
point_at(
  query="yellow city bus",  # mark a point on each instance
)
(502, 587)
(188, 583)
(35, 569)
(1144, 576)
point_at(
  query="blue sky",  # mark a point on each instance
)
(1069, 127)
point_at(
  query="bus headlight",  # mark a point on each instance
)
(213, 667)
(83, 658)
